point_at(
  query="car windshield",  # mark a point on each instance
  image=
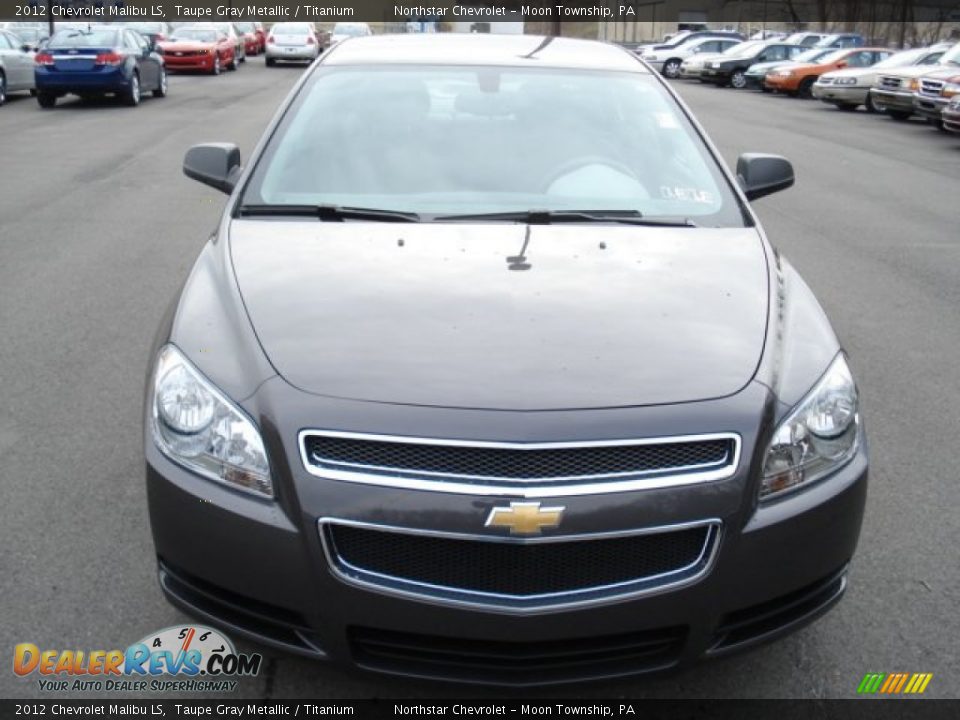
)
(298, 29)
(680, 37)
(951, 57)
(695, 43)
(834, 56)
(813, 55)
(349, 29)
(900, 59)
(195, 34)
(95, 37)
(146, 27)
(27, 34)
(745, 48)
(467, 140)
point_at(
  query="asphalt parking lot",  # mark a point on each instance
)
(98, 228)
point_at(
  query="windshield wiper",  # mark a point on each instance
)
(548, 217)
(334, 213)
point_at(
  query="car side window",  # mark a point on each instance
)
(931, 59)
(5, 42)
(776, 52)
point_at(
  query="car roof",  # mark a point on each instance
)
(483, 49)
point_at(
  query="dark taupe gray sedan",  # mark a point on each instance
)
(490, 374)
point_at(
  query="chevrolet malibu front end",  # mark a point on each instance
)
(490, 398)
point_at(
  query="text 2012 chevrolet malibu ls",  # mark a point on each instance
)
(490, 374)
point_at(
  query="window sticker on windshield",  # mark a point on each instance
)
(686, 194)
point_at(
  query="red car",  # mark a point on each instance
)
(254, 38)
(198, 48)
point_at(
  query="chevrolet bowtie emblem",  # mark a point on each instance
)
(525, 518)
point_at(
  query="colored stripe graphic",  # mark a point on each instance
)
(894, 683)
(870, 683)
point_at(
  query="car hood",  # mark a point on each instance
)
(942, 73)
(773, 64)
(911, 71)
(448, 315)
(808, 67)
(851, 72)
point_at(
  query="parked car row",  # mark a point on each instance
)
(687, 48)
(837, 69)
(925, 90)
(128, 59)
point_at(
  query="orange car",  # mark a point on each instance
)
(798, 78)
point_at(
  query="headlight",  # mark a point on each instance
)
(845, 81)
(817, 437)
(914, 85)
(950, 89)
(196, 426)
(785, 73)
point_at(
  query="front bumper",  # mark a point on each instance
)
(690, 73)
(951, 120)
(780, 83)
(258, 570)
(715, 75)
(849, 94)
(929, 107)
(193, 62)
(892, 100)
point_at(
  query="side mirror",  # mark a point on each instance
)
(760, 175)
(213, 164)
(841, 65)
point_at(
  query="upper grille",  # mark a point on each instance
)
(498, 570)
(890, 83)
(931, 88)
(514, 464)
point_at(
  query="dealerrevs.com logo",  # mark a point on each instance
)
(182, 659)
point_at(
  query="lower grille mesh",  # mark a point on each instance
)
(511, 569)
(516, 663)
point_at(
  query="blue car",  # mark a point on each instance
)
(97, 61)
